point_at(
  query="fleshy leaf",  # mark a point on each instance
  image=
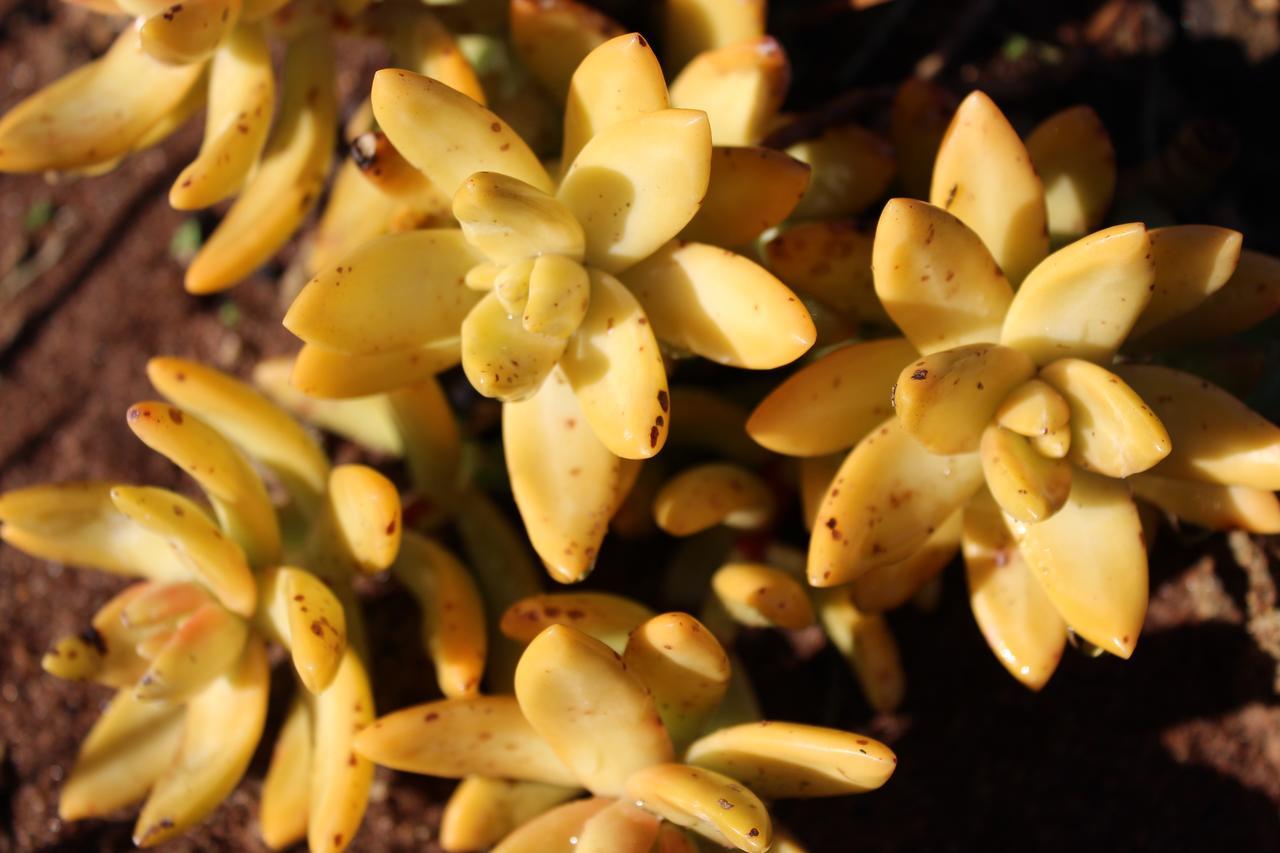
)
(482, 810)
(685, 668)
(750, 191)
(936, 278)
(889, 587)
(221, 730)
(946, 399)
(741, 88)
(1192, 262)
(852, 168)
(562, 477)
(1113, 431)
(832, 402)
(96, 113)
(983, 175)
(600, 720)
(710, 803)
(397, 292)
(888, 497)
(762, 596)
(1211, 505)
(637, 183)
(618, 80)
(781, 760)
(1028, 486)
(1073, 155)
(1014, 613)
(1082, 301)
(553, 39)
(616, 370)
(721, 306)
(1216, 438)
(606, 617)
(509, 220)
(1091, 559)
(714, 493)
(474, 735)
(447, 135)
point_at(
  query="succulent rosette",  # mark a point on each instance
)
(625, 704)
(555, 295)
(268, 145)
(185, 648)
(1002, 415)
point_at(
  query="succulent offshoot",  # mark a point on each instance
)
(186, 647)
(585, 716)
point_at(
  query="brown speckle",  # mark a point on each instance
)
(91, 636)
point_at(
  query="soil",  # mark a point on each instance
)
(1177, 749)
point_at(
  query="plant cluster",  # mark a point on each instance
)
(982, 373)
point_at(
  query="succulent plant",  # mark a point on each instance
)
(557, 302)
(996, 398)
(730, 568)
(1018, 415)
(185, 648)
(721, 62)
(614, 699)
(268, 145)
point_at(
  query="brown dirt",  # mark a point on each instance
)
(1178, 749)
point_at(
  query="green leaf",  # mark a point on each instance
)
(1015, 47)
(229, 314)
(186, 241)
(38, 215)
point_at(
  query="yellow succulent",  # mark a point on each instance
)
(615, 700)
(415, 424)
(268, 145)
(763, 587)
(375, 192)
(828, 257)
(1002, 403)
(186, 648)
(724, 511)
(727, 67)
(556, 303)
(768, 591)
